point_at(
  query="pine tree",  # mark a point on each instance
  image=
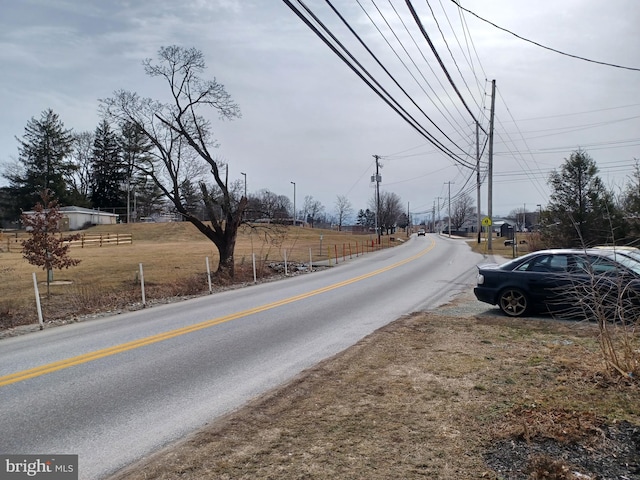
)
(43, 162)
(108, 173)
(581, 211)
(134, 150)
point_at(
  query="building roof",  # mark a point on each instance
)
(88, 211)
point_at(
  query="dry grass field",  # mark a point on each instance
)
(173, 256)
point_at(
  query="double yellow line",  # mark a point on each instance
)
(106, 352)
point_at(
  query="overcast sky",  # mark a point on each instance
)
(307, 118)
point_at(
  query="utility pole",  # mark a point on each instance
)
(439, 198)
(478, 220)
(433, 218)
(490, 180)
(449, 208)
(294, 203)
(378, 179)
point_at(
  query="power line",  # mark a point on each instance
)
(387, 71)
(371, 82)
(544, 46)
(437, 97)
(435, 53)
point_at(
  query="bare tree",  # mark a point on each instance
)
(343, 210)
(79, 179)
(312, 209)
(182, 142)
(462, 210)
(390, 210)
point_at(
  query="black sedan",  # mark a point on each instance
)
(596, 283)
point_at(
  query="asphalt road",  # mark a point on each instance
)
(115, 389)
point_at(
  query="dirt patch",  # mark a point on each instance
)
(462, 394)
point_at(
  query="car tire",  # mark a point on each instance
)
(513, 302)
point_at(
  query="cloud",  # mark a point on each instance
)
(308, 118)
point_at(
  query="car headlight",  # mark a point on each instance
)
(480, 279)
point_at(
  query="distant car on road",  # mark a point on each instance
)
(570, 282)
(422, 233)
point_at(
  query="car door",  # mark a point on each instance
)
(548, 280)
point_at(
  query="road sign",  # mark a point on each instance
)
(486, 222)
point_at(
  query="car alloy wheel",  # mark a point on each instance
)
(513, 302)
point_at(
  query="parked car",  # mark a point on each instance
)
(422, 233)
(568, 282)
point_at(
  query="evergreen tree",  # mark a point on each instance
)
(630, 202)
(191, 197)
(366, 218)
(149, 199)
(108, 174)
(581, 211)
(135, 151)
(43, 162)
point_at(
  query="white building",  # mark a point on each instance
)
(79, 217)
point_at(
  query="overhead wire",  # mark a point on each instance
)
(437, 55)
(578, 57)
(387, 71)
(415, 43)
(524, 165)
(366, 76)
(446, 43)
(467, 38)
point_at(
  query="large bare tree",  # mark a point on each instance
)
(462, 209)
(390, 211)
(182, 143)
(343, 210)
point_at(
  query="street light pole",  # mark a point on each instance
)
(294, 203)
(245, 183)
(539, 216)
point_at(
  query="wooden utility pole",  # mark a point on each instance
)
(478, 210)
(490, 179)
(433, 218)
(449, 208)
(378, 179)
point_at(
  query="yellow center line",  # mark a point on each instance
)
(106, 352)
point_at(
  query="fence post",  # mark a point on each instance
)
(253, 259)
(209, 275)
(144, 300)
(310, 261)
(286, 271)
(35, 287)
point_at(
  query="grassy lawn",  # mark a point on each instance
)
(173, 256)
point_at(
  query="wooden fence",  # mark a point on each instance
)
(14, 244)
(102, 240)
